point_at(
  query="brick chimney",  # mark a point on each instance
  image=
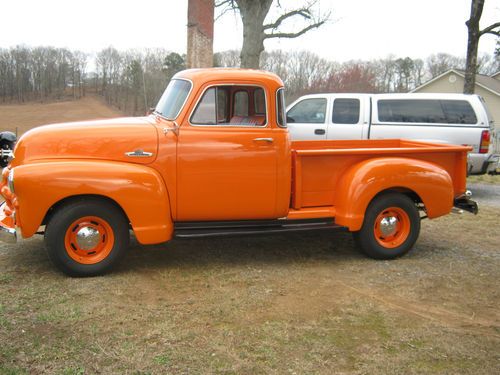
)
(200, 35)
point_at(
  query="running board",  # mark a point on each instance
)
(247, 227)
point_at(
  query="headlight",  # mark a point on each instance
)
(10, 180)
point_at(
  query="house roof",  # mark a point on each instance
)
(486, 82)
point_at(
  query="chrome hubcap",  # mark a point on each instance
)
(388, 225)
(87, 238)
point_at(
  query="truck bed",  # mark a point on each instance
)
(318, 167)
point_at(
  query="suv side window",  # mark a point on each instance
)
(413, 110)
(459, 112)
(308, 111)
(345, 111)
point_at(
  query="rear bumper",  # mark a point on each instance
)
(8, 232)
(482, 163)
(463, 202)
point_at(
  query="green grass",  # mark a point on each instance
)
(484, 179)
(301, 303)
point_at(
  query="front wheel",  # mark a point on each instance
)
(87, 237)
(390, 228)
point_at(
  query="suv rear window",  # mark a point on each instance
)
(426, 111)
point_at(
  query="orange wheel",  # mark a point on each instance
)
(392, 227)
(89, 240)
(87, 236)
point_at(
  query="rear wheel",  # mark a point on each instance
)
(87, 237)
(390, 228)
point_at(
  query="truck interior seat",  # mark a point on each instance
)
(248, 120)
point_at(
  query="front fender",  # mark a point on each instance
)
(137, 189)
(363, 181)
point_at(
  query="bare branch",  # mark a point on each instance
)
(294, 35)
(221, 3)
(304, 12)
(226, 6)
(490, 30)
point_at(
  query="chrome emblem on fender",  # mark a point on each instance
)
(139, 154)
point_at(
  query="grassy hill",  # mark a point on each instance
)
(28, 115)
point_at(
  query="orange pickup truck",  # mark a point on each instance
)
(215, 158)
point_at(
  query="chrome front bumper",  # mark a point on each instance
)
(8, 234)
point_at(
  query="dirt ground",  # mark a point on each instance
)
(305, 303)
(26, 116)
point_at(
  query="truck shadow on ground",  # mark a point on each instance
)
(334, 247)
(321, 246)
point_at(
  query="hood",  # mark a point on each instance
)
(100, 139)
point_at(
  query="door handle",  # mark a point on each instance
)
(268, 140)
(319, 131)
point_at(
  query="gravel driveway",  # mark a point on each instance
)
(488, 194)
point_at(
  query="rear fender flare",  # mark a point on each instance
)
(363, 181)
(139, 191)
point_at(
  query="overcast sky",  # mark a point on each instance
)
(359, 29)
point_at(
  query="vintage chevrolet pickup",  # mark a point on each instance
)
(215, 158)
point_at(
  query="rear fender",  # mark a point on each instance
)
(138, 190)
(363, 181)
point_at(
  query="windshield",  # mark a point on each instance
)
(173, 99)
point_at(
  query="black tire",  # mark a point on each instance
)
(399, 240)
(68, 251)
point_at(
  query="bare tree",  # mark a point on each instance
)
(475, 33)
(439, 63)
(255, 31)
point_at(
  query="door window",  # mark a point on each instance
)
(205, 113)
(345, 111)
(231, 106)
(308, 111)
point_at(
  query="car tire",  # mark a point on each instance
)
(87, 237)
(390, 228)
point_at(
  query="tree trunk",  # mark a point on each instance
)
(253, 14)
(472, 45)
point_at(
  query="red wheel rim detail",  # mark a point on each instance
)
(89, 240)
(392, 227)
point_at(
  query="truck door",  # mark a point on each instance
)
(348, 119)
(227, 157)
(306, 120)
